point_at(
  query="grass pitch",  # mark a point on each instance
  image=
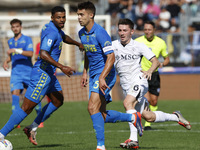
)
(70, 128)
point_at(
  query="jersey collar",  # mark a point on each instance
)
(51, 24)
(92, 30)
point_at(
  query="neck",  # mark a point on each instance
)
(17, 36)
(89, 26)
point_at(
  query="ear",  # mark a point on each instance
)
(51, 18)
(132, 31)
(91, 15)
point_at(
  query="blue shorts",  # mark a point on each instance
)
(19, 82)
(94, 85)
(41, 83)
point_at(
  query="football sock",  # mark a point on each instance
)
(162, 117)
(1, 136)
(153, 108)
(101, 147)
(15, 102)
(115, 116)
(47, 110)
(133, 129)
(38, 108)
(98, 125)
(16, 117)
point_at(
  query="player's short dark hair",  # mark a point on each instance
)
(126, 22)
(150, 22)
(87, 6)
(57, 9)
(16, 21)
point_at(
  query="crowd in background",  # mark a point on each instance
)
(165, 13)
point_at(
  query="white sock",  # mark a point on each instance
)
(133, 129)
(101, 147)
(1, 136)
(162, 117)
(34, 126)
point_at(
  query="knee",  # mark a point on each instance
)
(149, 116)
(27, 108)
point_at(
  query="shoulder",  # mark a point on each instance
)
(139, 39)
(81, 31)
(158, 39)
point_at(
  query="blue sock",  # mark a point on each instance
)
(18, 116)
(47, 110)
(15, 103)
(38, 108)
(98, 125)
(115, 116)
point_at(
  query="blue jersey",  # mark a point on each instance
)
(97, 44)
(21, 65)
(51, 41)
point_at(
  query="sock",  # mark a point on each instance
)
(47, 110)
(115, 116)
(98, 125)
(1, 136)
(18, 116)
(133, 129)
(162, 117)
(153, 108)
(15, 103)
(38, 108)
(101, 147)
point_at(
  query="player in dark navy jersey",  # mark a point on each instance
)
(43, 81)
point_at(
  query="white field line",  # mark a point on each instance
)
(120, 131)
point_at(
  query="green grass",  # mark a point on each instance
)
(70, 128)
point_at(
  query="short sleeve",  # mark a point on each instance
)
(47, 41)
(29, 44)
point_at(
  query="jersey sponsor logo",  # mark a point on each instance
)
(127, 57)
(49, 42)
(90, 48)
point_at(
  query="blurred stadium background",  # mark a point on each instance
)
(180, 80)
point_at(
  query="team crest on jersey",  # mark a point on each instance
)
(23, 41)
(49, 42)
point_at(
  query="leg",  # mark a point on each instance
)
(15, 99)
(17, 117)
(48, 109)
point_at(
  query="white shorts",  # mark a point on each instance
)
(137, 88)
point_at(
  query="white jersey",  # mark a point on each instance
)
(127, 64)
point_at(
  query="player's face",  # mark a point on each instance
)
(125, 33)
(59, 19)
(149, 31)
(16, 28)
(84, 17)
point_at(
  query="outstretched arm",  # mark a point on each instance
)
(69, 40)
(65, 69)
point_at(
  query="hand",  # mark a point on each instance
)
(81, 47)
(10, 51)
(84, 81)
(161, 65)
(5, 66)
(146, 74)
(67, 70)
(102, 85)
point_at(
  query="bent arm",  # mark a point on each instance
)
(67, 39)
(165, 62)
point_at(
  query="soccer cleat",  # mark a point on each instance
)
(41, 125)
(137, 123)
(18, 126)
(182, 121)
(129, 144)
(101, 148)
(31, 135)
(147, 128)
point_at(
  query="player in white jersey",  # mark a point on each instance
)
(128, 55)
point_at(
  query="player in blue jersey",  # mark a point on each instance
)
(20, 53)
(43, 81)
(99, 58)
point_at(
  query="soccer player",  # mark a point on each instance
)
(133, 80)
(99, 58)
(43, 82)
(20, 53)
(158, 47)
